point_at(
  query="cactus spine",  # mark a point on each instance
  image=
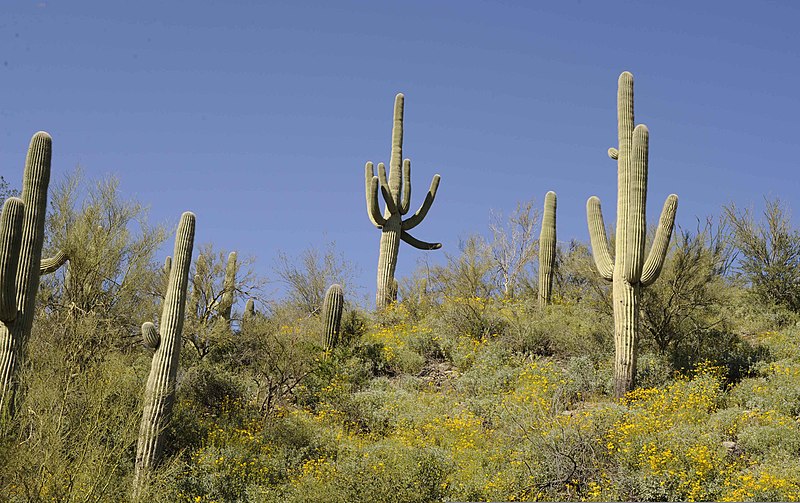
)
(628, 269)
(332, 315)
(547, 249)
(396, 190)
(159, 395)
(21, 264)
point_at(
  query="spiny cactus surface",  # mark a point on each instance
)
(21, 264)
(628, 269)
(547, 249)
(159, 394)
(396, 190)
(332, 315)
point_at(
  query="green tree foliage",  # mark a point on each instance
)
(769, 253)
(307, 277)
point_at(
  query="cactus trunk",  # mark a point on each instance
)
(15, 330)
(387, 261)
(332, 315)
(547, 249)
(626, 322)
(160, 391)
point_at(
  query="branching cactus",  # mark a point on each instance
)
(332, 315)
(396, 190)
(547, 249)
(159, 395)
(21, 263)
(628, 269)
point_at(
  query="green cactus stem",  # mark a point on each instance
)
(332, 315)
(547, 249)
(628, 269)
(52, 264)
(229, 286)
(17, 321)
(167, 266)
(159, 394)
(396, 190)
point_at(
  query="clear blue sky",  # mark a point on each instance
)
(259, 116)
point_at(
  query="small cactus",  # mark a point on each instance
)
(396, 190)
(547, 249)
(21, 263)
(159, 394)
(332, 315)
(628, 269)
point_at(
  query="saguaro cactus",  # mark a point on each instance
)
(628, 269)
(396, 190)
(332, 315)
(547, 249)
(229, 286)
(21, 263)
(159, 394)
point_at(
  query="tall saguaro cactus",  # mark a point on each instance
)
(396, 190)
(332, 315)
(159, 394)
(547, 249)
(21, 264)
(628, 269)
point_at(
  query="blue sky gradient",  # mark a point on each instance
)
(259, 116)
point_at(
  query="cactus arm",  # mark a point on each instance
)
(613, 153)
(597, 234)
(655, 260)
(51, 264)
(386, 190)
(10, 242)
(416, 243)
(405, 204)
(150, 335)
(636, 226)
(415, 219)
(167, 265)
(373, 210)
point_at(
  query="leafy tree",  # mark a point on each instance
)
(308, 277)
(769, 253)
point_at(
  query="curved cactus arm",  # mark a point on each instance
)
(386, 189)
(396, 159)
(415, 219)
(597, 233)
(655, 260)
(636, 206)
(405, 204)
(10, 244)
(373, 210)
(416, 243)
(613, 153)
(51, 264)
